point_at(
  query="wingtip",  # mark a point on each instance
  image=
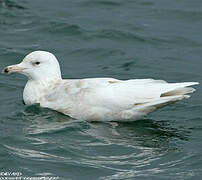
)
(193, 83)
(186, 96)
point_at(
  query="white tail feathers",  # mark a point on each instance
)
(179, 91)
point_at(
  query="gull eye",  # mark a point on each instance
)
(36, 63)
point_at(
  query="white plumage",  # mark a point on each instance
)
(94, 99)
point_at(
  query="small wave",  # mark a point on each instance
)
(103, 3)
(10, 4)
(62, 28)
(32, 154)
(49, 128)
(98, 52)
(182, 14)
(183, 41)
(119, 35)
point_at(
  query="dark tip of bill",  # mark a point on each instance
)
(6, 71)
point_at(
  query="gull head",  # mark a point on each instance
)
(38, 65)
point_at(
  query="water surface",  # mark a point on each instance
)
(103, 38)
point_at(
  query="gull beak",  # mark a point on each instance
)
(13, 68)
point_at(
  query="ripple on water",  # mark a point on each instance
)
(63, 28)
(101, 3)
(142, 38)
(10, 5)
(139, 149)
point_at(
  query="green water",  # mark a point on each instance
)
(103, 38)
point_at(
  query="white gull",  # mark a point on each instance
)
(94, 99)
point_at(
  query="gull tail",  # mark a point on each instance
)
(177, 93)
(180, 89)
